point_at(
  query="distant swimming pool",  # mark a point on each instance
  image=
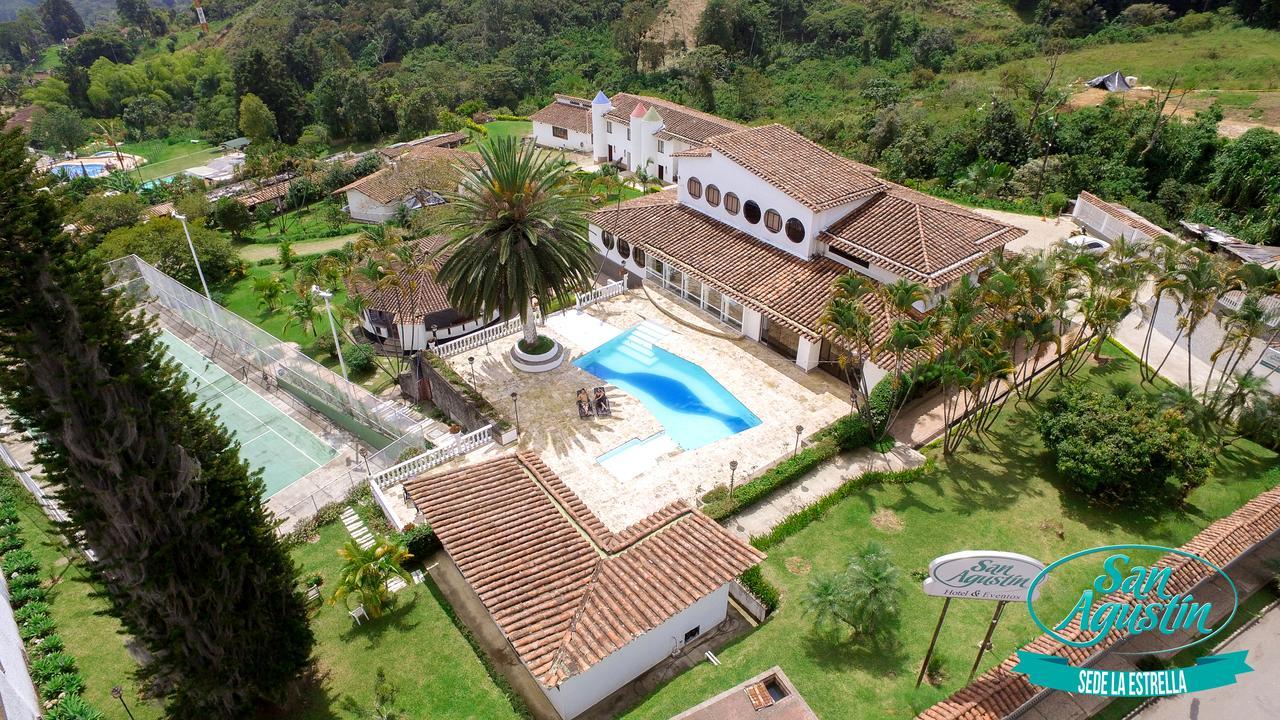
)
(76, 168)
(694, 408)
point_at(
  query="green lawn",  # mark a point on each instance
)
(503, 128)
(302, 225)
(424, 654)
(1005, 496)
(169, 155)
(50, 59)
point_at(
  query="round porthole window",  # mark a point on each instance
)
(713, 195)
(795, 230)
(624, 248)
(606, 239)
(637, 256)
(732, 204)
(751, 211)
(695, 187)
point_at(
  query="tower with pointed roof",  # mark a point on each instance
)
(599, 139)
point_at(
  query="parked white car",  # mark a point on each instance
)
(1088, 243)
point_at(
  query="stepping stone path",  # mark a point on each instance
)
(360, 532)
(357, 528)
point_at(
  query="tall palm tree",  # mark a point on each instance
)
(850, 324)
(517, 230)
(1198, 283)
(270, 290)
(1163, 254)
(365, 572)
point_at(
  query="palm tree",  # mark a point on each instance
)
(365, 572)
(866, 596)
(850, 325)
(270, 290)
(1248, 322)
(302, 311)
(1164, 255)
(517, 233)
(1199, 282)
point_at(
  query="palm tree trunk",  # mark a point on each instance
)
(1144, 368)
(1168, 352)
(530, 326)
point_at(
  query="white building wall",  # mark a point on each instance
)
(18, 699)
(873, 373)
(363, 208)
(580, 692)
(576, 142)
(751, 322)
(417, 336)
(730, 177)
(808, 353)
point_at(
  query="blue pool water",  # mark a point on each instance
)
(690, 404)
(75, 169)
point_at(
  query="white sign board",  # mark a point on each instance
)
(983, 575)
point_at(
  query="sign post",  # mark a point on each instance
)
(978, 575)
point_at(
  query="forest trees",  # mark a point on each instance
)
(257, 122)
(185, 550)
(60, 19)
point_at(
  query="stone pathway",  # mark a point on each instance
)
(762, 517)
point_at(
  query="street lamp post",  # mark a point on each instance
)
(333, 328)
(515, 404)
(799, 429)
(117, 692)
(471, 360)
(199, 270)
(733, 471)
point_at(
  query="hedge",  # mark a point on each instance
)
(52, 669)
(763, 590)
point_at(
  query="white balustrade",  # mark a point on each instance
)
(432, 458)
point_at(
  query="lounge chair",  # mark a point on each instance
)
(584, 404)
(601, 402)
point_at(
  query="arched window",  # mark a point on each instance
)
(606, 239)
(772, 220)
(732, 204)
(695, 187)
(795, 230)
(624, 248)
(751, 211)
(713, 195)
(638, 257)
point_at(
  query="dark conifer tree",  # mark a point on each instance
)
(60, 19)
(186, 551)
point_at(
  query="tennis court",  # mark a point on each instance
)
(269, 439)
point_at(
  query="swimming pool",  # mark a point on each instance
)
(76, 168)
(694, 408)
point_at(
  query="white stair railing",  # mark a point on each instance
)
(478, 339)
(613, 289)
(431, 458)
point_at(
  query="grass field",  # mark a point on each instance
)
(169, 155)
(1004, 496)
(502, 128)
(424, 655)
(302, 225)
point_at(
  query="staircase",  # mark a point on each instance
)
(640, 340)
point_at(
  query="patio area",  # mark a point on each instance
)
(648, 475)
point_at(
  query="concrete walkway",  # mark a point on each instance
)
(762, 517)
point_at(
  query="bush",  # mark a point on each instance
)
(48, 645)
(1260, 422)
(8, 516)
(359, 358)
(31, 610)
(70, 683)
(18, 598)
(23, 581)
(420, 540)
(763, 590)
(1121, 447)
(19, 562)
(162, 243)
(74, 707)
(37, 627)
(9, 543)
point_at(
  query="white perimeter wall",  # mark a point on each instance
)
(17, 695)
(580, 692)
(577, 141)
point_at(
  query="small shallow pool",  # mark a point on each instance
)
(694, 408)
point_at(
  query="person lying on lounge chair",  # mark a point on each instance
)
(602, 402)
(584, 404)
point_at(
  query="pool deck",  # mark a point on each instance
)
(771, 386)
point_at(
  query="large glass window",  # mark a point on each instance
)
(732, 204)
(693, 290)
(695, 187)
(772, 220)
(675, 279)
(713, 195)
(655, 270)
(714, 302)
(733, 313)
(751, 211)
(795, 230)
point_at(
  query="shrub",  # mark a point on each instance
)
(48, 645)
(19, 562)
(23, 581)
(9, 543)
(763, 590)
(45, 668)
(18, 598)
(74, 707)
(359, 358)
(37, 627)
(866, 596)
(31, 610)
(70, 683)
(1121, 447)
(1260, 421)
(8, 516)
(420, 540)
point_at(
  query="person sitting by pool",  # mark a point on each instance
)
(602, 402)
(584, 404)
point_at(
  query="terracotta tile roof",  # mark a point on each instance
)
(417, 297)
(423, 167)
(570, 113)
(271, 192)
(1125, 215)
(998, 692)
(754, 273)
(699, 151)
(929, 240)
(161, 210)
(680, 121)
(564, 590)
(804, 170)
(444, 140)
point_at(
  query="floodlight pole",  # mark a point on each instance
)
(199, 271)
(333, 328)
